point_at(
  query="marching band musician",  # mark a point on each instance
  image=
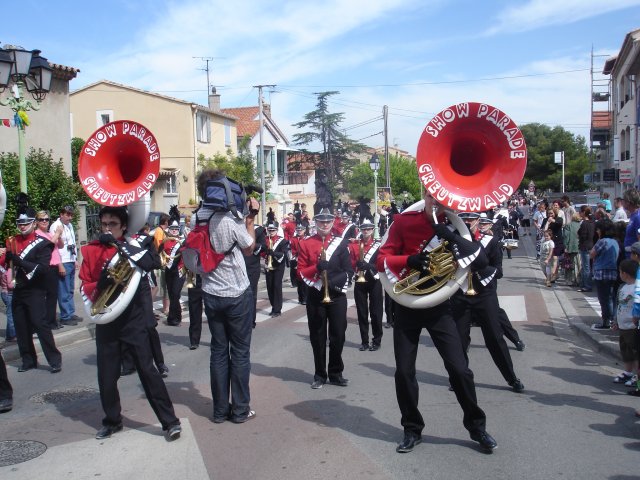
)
(368, 294)
(484, 308)
(293, 264)
(129, 328)
(486, 227)
(403, 251)
(30, 255)
(343, 228)
(275, 256)
(174, 270)
(252, 264)
(324, 265)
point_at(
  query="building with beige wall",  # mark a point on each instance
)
(183, 130)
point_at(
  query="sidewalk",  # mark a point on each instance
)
(577, 308)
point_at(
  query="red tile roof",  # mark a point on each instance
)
(247, 123)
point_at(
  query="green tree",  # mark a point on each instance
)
(50, 188)
(359, 182)
(240, 167)
(542, 142)
(337, 155)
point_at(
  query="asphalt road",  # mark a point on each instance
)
(571, 421)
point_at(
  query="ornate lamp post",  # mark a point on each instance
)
(374, 163)
(21, 68)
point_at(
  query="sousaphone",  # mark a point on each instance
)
(118, 166)
(471, 157)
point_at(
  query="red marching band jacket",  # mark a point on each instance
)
(95, 256)
(171, 248)
(34, 254)
(369, 251)
(308, 255)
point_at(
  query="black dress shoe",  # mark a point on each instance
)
(374, 347)
(276, 314)
(485, 440)
(107, 430)
(68, 322)
(193, 346)
(363, 347)
(410, 440)
(317, 384)
(56, 368)
(163, 369)
(26, 368)
(517, 386)
(520, 345)
(339, 382)
(173, 433)
(6, 405)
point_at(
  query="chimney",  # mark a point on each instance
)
(214, 100)
(266, 109)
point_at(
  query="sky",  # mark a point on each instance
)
(529, 58)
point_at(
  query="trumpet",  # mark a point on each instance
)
(165, 258)
(325, 277)
(270, 257)
(361, 274)
(191, 278)
(470, 290)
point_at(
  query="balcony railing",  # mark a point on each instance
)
(293, 178)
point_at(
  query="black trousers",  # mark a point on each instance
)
(406, 335)
(196, 306)
(483, 309)
(51, 298)
(131, 330)
(175, 282)
(6, 391)
(253, 272)
(369, 294)
(274, 287)
(29, 317)
(389, 308)
(507, 328)
(334, 317)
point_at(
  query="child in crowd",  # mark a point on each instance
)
(626, 324)
(546, 256)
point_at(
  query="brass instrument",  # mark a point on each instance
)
(191, 278)
(470, 290)
(118, 166)
(165, 258)
(269, 264)
(442, 268)
(120, 273)
(325, 277)
(361, 274)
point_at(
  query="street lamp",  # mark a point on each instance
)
(374, 163)
(23, 68)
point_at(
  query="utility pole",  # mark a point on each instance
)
(385, 115)
(261, 152)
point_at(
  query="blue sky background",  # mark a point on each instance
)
(530, 58)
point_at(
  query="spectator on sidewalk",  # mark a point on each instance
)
(6, 289)
(538, 221)
(546, 256)
(572, 251)
(68, 258)
(620, 215)
(605, 270)
(631, 202)
(586, 234)
(56, 268)
(625, 324)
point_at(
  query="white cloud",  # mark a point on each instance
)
(544, 13)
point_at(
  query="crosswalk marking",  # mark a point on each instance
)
(514, 305)
(595, 304)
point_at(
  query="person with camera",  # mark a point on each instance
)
(228, 298)
(68, 257)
